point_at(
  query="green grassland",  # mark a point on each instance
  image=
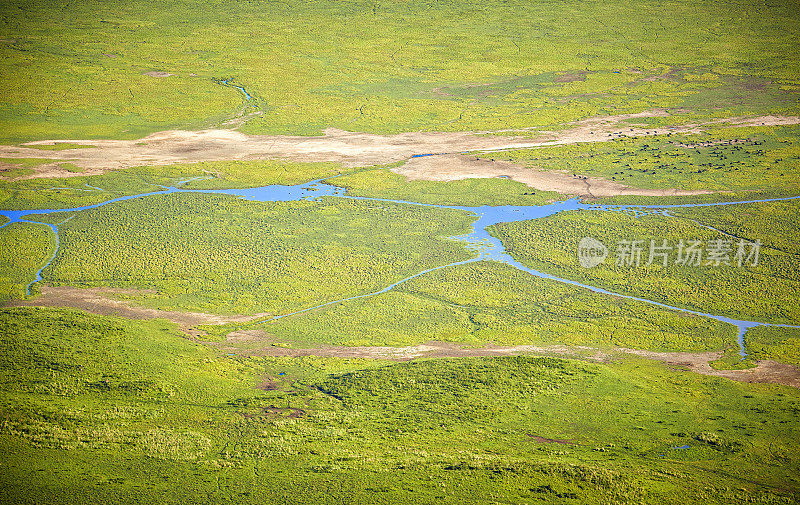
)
(219, 253)
(384, 183)
(79, 70)
(492, 302)
(87, 190)
(97, 409)
(25, 249)
(774, 223)
(25, 162)
(780, 344)
(721, 160)
(20, 167)
(767, 292)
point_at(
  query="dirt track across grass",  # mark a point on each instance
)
(100, 301)
(765, 371)
(258, 343)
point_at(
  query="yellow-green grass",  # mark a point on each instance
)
(79, 191)
(24, 249)
(171, 419)
(384, 183)
(82, 71)
(218, 253)
(489, 302)
(740, 160)
(768, 291)
(780, 344)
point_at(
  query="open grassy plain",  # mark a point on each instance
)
(730, 160)
(70, 192)
(475, 382)
(386, 184)
(91, 69)
(26, 248)
(767, 291)
(492, 302)
(221, 254)
(173, 421)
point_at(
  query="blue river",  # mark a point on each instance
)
(479, 240)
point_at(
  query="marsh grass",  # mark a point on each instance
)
(328, 429)
(221, 254)
(87, 190)
(491, 302)
(764, 292)
(83, 72)
(741, 160)
(384, 183)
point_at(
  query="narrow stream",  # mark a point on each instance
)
(244, 91)
(487, 246)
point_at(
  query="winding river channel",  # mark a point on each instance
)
(486, 246)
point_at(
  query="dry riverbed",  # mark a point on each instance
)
(353, 149)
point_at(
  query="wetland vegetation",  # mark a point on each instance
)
(70, 192)
(743, 159)
(217, 253)
(96, 70)
(174, 421)
(468, 192)
(201, 395)
(767, 291)
(492, 302)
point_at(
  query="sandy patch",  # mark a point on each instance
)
(765, 371)
(454, 167)
(431, 349)
(155, 73)
(764, 121)
(351, 149)
(98, 301)
(571, 76)
(47, 170)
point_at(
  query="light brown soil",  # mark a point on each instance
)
(358, 149)
(163, 148)
(349, 148)
(765, 371)
(426, 350)
(158, 74)
(453, 167)
(98, 301)
(571, 76)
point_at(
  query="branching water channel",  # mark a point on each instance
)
(479, 240)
